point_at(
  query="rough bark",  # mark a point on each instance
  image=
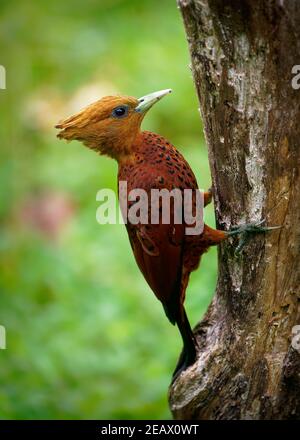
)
(242, 57)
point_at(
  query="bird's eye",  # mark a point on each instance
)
(120, 112)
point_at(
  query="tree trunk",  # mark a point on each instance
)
(243, 53)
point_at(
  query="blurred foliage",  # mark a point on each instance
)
(86, 338)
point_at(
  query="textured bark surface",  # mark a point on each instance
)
(242, 57)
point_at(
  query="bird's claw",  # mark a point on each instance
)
(251, 228)
(246, 230)
(208, 195)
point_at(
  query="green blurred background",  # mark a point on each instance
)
(86, 338)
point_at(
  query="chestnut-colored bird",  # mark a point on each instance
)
(165, 254)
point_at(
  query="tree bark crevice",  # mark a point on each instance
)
(242, 58)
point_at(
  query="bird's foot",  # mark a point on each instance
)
(246, 230)
(251, 228)
(208, 195)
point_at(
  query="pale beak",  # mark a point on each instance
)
(146, 102)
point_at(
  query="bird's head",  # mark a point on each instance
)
(110, 125)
